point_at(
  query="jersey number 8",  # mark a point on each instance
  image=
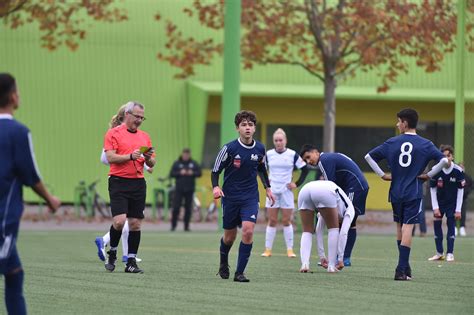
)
(406, 149)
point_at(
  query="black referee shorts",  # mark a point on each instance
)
(127, 195)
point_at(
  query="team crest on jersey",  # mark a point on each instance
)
(237, 161)
(452, 179)
(254, 157)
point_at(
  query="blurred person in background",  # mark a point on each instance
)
(18, 169)
(467, 191)
(447, 190)
(280, 162)
(184, 170)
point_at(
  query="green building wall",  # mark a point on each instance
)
(69, 97)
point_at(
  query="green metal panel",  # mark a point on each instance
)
(231, 96)
(197, 106)
(459, 108)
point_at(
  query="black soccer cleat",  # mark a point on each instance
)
(400, 275)
(240, 277)
(224, 271)
(132, 267)
(112, 258)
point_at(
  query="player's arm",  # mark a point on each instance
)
(376, 155)
(444, 162)
(300, 164)
(434, 198)
(460, 196)
(113, 157)
(263, 174)
(346, 223)
(436, 155)
(222, 160)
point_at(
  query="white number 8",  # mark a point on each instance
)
(406, 153)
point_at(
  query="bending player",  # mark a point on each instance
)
(329, 200)
(346, 214)
(447, 190)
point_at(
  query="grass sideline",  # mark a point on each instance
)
(64, 276)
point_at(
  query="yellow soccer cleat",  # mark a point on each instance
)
(436, 257)
(290, 253)
(267, 253)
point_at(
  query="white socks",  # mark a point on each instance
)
(271, 233)
(333, 237)
(106, 239)
(125, 231)
(305, 247)
(346, 225)
(288, 234)
(270, 236)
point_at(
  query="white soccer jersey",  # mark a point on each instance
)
(280, 167)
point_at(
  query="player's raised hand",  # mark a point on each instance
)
(291, 186)
(387, 177)
(217, 192)
(270, 196)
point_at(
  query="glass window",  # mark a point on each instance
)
(356, 142)
(297, 135)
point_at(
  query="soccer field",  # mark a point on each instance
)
(64, 276)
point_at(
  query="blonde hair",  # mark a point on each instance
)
(279, 131)
(117, 119)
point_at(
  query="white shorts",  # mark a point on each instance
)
(318, 194)
(283, 200)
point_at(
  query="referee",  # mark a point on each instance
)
(125, 147)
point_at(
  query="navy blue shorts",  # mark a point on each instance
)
(406, 212)
(236, 212)
(359, 199)
(9, 261)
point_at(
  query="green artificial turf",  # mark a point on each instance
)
(64, 276)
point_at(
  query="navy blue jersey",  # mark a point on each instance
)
(340, 169)
(18, 168)
(240, 162)
(407, 156)
(447, 183)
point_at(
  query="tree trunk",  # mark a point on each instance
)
(329, 132)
